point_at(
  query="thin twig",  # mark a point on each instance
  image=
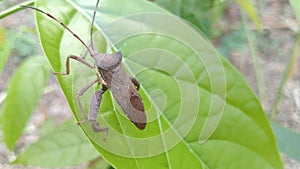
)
(15, 8)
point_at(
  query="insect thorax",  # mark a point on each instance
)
(108, 61)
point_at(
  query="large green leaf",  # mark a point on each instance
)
(200, 111)
(23, 93)
(63, 146)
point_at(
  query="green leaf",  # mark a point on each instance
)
(23, 93)
(205, 13)
(249, 8)
(63, 146)
(5, 48)
(2, 36)
(236, 40)
(287, 140)
(99, 163)
(202, 14)
(296, 8)
(200, 111)
(14, 9)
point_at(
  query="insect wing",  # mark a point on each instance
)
(128, 98)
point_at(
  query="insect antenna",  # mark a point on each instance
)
(92, 25)
(62, 24)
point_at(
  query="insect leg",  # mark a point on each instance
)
(80, 93)
(79, 59)
(135, 82)
(94, 109)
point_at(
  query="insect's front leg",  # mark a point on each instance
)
(135, 82)
(94, 109)
(79, 59)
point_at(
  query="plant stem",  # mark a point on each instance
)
(292, 65)
(255, 60)
(15, 9)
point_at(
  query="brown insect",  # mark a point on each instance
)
(112, 75)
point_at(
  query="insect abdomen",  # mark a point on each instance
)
(128, 98)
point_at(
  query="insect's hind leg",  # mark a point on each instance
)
(94, 109)
(135, 82)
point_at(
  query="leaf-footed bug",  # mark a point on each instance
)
(112, 75)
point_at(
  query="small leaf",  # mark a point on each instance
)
(205, 13)
(250, 10)
(24, 91)
(5, 48)
(64, 146)
(47, 127)
(202, 14)
(287, 140)
(99, 163)
(235, 40)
